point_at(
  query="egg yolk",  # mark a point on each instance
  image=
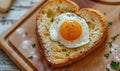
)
(70, 30)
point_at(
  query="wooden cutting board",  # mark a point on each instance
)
(19, 41)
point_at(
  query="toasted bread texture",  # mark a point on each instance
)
(56, 54)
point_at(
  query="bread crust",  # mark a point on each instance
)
(54, 1)
(97, 44)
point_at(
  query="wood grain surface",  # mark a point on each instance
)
(17, 10)
(17, 42)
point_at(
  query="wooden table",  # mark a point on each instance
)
(18, 9)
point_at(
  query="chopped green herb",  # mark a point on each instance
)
(52, 20)
(67, 54)
(47, 51)
(114, 37)
(90, 39)
(26, 33)
(33, 45)
(110, 44)
(109, 23)
(107, 55)
(115, 65)
(30, 57)
(107, 69)
(110, 51)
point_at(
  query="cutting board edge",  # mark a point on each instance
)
(7, 49)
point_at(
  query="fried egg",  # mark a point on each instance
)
(69, 30)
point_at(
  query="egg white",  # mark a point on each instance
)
(55, 34)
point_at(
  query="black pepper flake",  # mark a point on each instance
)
(33, 45)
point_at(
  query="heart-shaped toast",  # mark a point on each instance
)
(67, 33)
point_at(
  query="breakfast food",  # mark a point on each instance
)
(67, 33)
(70, 30)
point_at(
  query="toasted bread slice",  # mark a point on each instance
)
(56, 54)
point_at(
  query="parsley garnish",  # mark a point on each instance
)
(47, 51)
(107, 69)
(107, 55)
(26, 33)
(115, 65)
(67, 54)
(30, 57)
(114, 37)
(110, 44)
(90, 39)
(33, 45)
(110, 51)
(109, 23)
(52, 20)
